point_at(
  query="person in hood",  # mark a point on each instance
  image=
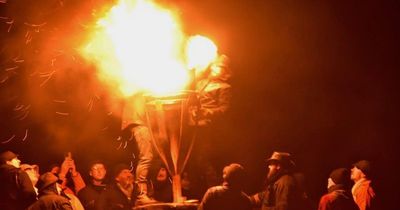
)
(339, 195)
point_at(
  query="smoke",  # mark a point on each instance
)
(49, 93)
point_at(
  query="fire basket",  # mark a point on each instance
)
(173, 133)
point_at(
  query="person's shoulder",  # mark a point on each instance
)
(216, 190)
(287, 178)
(52, 197)
(327, 198)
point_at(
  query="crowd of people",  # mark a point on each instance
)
(62, 187)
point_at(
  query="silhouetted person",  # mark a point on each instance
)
(362, 191)
(162, 185)
(119, 194)
(16, 191)
(214, 94)
(229, 195)
(281, 190)
(339, 195)
(50, 194)
(90, 194)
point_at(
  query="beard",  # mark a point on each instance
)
(273, 175)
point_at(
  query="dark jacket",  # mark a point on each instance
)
(224, 197)
(282, 194)
(50, 200)
(16, 191)
(163, 191)
(89, 195)
(214, 99)
(112, 198)
(337, 198)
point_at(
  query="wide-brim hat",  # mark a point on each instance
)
(282, 158)
(46, 180)
(7, 156)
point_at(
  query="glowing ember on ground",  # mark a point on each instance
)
(140, 46)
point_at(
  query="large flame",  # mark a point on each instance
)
(200, 52)
(140, 46)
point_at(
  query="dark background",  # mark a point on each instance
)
(316, 79)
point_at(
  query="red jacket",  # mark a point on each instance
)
(337, 198)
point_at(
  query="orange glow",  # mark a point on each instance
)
(139, 46)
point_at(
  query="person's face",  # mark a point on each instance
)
(15, 162)
(162, 175)
(125, 177)
(216, 71)
(356, 174)
(273, 169)
(98, 172)
(330, 183)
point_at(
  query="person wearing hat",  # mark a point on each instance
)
(50, 197)
(339, 196)
(282, 191)
(362, 190)
(16, 191)
(230, 194)
(120, 194)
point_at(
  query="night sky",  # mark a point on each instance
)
(314, 78)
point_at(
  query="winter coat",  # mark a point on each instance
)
(223, 197)
(337, 198)
(364, 195)
(112, 198)
(89, 195)
(282, 194)
(50, 200)
(16, 191)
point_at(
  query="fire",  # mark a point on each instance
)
(200, 52)
(140, 46)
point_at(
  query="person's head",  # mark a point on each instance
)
(162, 175)
(48, 182)
(123, 175)
(32, 171)
(233, 175)
(279, 162)
(220, 68)
(339, 176)
(97, 171)
(10, 158)
(361, 169)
